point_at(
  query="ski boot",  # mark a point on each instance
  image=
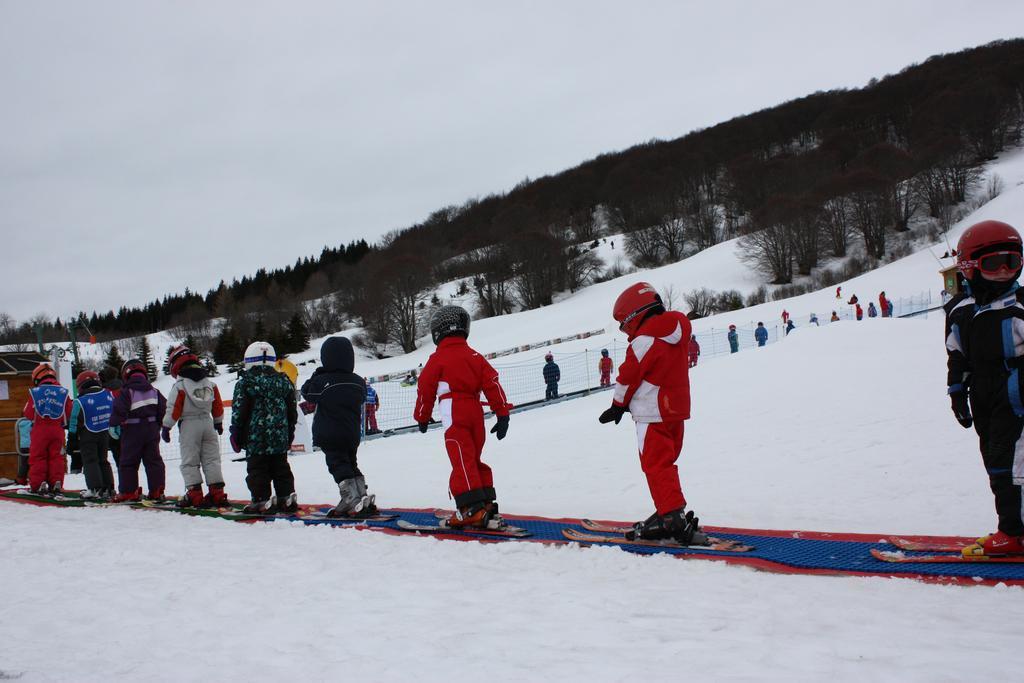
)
(92, 495)
(290, 504)
(683, 528)
(56, 489)
(130, 497)
(998, 544)
(43, 490)
(260, 507)
(156, 495)
(350, 501)
(476, 516)
(193, 497)
(369, 501)
(216, 498)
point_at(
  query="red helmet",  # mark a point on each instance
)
(179, 358)
(43, 372)
(87, 379)
(631, 305)
(992, 247)
(133, 366)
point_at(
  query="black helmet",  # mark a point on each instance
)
(449, 320)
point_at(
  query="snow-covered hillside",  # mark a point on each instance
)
(812, 433)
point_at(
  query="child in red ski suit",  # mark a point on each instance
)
(49, 409)
(605, 366)
(654, 385)
(455, 375)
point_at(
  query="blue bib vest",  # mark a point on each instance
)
(96, 409)
(48, 400)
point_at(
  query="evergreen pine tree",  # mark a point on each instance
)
(190, 342)
(145, 354)
(297, 336)
(167, 359)
(210, 366)
(227, 349)
(114, 359)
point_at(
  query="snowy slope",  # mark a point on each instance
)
(811, 433)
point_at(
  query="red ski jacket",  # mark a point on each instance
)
(654, 380)
(455, 371)
(606, 364)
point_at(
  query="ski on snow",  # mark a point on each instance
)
(900, 557)
(598, 527)
(715, 544)
(441, 528)
(929, 546)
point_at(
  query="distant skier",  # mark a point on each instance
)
(654, 386)
(785, 316)
(834, 318)
(552, 375)
(48, 408)
(263, 418)
(761, 334)
(790, 326)
(196, 407)
(372, 403)
(89, 424)
(891, 307)
(693, 351)
(883, 305)
(460, 374)
(605, 366)
(813, 320)
(338, 394)
(138, 410)
(872, 311)
(839, 292)
(859, 312)
(734, 339)
(984, 338)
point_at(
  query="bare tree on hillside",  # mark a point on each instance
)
(644, 247)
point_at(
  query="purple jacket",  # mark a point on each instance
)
(138, 403)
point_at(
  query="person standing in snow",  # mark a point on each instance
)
(48, 409)
(605, 366)
(872, 312)
(984, 338)
(883, 305)
(834, 318)
(196, 407)
(112, 383)
(552, 375)
(89, 425)
(734, 339)
(813, 320)
(891, 307)
(785, 316)
(790, 326)
(859, 312)
(653, 385)
(761, 334)
(263, 418)
(372, 403)
(138, 410)
(338, 393)
(459, 373)
(693, 351)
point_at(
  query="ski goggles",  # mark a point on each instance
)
(996, 262)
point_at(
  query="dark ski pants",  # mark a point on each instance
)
(266, 469)
(115, 451)
(999, 431)
(141, 444)
(95, 465)
(551, 391)
(342, 464)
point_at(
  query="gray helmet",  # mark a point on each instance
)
(449, 320)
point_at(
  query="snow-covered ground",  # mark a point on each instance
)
(840, 428)
(845, 427)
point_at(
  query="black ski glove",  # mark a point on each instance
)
(961, 410)
(614, 413)
(500, 427)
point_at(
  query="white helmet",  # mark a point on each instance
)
(259, 353)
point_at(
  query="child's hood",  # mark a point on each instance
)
(336, 354)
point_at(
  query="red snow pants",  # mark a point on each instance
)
(660, 444)
(45, 457)
(464, 440)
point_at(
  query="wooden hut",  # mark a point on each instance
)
(15, 381)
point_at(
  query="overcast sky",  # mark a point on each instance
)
(146, 146)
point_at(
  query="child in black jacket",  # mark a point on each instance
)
(338, 394)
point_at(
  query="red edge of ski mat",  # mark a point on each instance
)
(780, 551)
